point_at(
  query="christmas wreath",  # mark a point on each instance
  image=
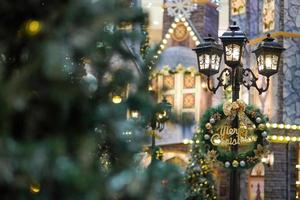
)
(218, 136)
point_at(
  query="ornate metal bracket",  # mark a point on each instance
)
(221, 82)
(251, 81)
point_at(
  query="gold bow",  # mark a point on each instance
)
(153, 133)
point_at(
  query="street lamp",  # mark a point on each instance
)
(159, 117)
(267, 55)
(209, 56)
(233, 42)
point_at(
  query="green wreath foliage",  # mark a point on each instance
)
(229, 159)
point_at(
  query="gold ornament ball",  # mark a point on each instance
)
(262, 126)
(35, 188)
(235, 163)
(208, 126)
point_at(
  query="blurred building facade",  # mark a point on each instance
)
(178, 26)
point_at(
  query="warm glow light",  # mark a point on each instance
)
(217, 141)
(170, 30)
(155, 22)
(281, 126)
(287, 126)
(134, 114)
(264, 160)
(287, 138)
(274, 137)
(116, 99)
(203, 85)
(185, 141)
(33, 27)
(274, 125)
(281, 138)
(268, 62)
(35, 188)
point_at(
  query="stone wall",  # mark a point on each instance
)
(291, 61)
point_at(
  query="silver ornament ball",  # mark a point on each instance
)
(212, 120)
(264, 134)
(206, 137)
(227, 164)
(258, 120)
(242, 163)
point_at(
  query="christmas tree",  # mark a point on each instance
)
(199, 177)
(62, 135)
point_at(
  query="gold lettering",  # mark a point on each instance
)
(224, 136)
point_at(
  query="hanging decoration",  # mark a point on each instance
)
(180, 8)
(218, 136)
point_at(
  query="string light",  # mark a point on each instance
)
(33, 27)
(34, 188)
(116, 99)
(283, 139)
(171, 30)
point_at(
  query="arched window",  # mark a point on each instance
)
(256, 182)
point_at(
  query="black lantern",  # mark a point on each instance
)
(163, 112)
(268, 55)
(209, 56)
(233, 42)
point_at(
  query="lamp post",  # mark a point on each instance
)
(159, 116)
(209, 58)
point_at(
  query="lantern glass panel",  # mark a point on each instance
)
(215, 62)
(260, 62)
(204, 61)
(232, 52)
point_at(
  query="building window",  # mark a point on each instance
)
(188, 101)
(256, 182)
(189, 81)
(268, 15)
(169, 82)
(238, 7)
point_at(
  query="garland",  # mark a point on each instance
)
(226, 113)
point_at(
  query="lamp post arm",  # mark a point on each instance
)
(226, 72)
(252, 82)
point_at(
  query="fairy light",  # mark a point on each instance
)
(116, 99)
(281, 126)
(33, 27)
(171, 30)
